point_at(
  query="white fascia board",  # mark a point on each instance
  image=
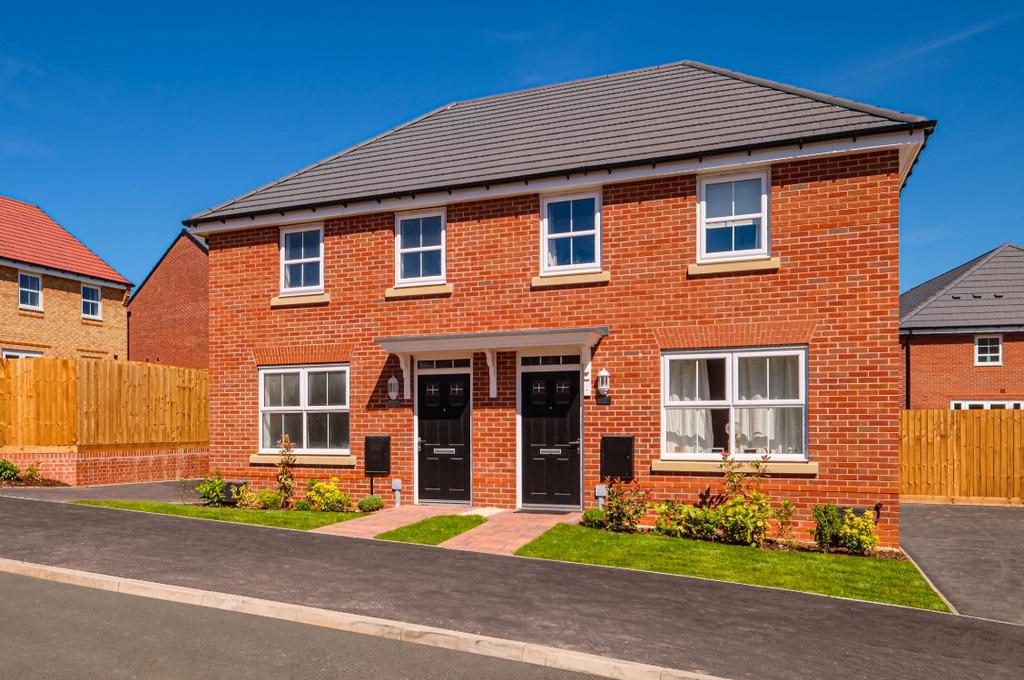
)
(909, 143)
(59, 273)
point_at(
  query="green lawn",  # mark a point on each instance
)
(434, 530)
(286, 519)
(861, 578)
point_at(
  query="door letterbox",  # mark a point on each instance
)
(617, 457)
(378, 455)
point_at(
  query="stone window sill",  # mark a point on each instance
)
(770, 264)
(418, 291)
(804, 468)
(569, 279)
(299, 300)
(304, 459)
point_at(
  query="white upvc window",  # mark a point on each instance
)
(988, 350)
(20, 354)
(420, 243)
(302, 260)
(92, 306)
(986, 405)
(30, 291)
(747, 403)
(570, 234)
(308, 403)
(732, 217)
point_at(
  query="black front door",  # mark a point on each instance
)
(444, 437)
(551, 438)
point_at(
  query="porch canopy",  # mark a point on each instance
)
(406, 346)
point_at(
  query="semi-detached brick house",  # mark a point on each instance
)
(59, 298)
(962, 335)
(718, 251)
(168, 315)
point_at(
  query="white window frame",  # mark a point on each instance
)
(703, 221)
(977, 347)
(9, 353)
(39, 277)
(731, 402)
(985, 404)
(301, 290)
(99, 303)
(304, 408)
(399, 250)
(583, 268)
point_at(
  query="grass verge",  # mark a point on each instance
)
(285, 519)
(861, 578)
(433, 530)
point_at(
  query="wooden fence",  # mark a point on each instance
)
(89, 404)
(962, 456)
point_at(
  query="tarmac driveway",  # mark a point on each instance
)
(164, 492)
(973, 554)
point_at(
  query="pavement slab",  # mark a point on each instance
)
(722, 629)
(504, 533)
(386, 520)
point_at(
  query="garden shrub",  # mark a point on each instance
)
(827, 522)
(594, 518)
(687, 521)
(626, 504)
(268, 499)
(327, 497)
(245, 497)
(8, 471)
(212, 489)
(285, 472)
(371, 503)
(745, 519)
(784, 517)
(857, 534)
(302, 505)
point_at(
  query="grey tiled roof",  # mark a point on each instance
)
(984, 292)
(676, 111)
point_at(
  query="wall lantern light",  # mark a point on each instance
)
(604, 386)
(393, 390)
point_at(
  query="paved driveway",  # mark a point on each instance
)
(973, 554)
(166, 492)
(725, 629)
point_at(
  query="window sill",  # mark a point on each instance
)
(326, 460)
(92, 322)
(805, 468)
(769, 264)
(552, 280)
(31, 310)
(300, 300)
(418, 291)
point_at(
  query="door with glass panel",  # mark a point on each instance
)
(550, 408)
(443, 421)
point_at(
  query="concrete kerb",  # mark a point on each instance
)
(540, 655)
(927, 580)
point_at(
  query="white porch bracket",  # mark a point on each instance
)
(405, 361)
(585, 363)
(492, 371)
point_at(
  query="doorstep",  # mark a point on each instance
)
(386, 520)
(505, 533)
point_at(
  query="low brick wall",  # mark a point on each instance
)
(116, 466)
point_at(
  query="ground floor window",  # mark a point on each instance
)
(309, 403)
(20, 354)
(747, 403)
(984, 405)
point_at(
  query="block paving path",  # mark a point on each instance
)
(506, 532)
(386, 520)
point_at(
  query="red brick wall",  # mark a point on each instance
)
(834, 223)
(942, 369)
(169, 314)
(87, 468)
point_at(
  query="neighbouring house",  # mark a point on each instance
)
(628, 275)
(168, 313)
(962, 335)
(60, 298)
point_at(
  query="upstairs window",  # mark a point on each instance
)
(420, 248)
(302, 260)
(988, 350)
(733, 217)
(30, 291)
(571, 234)
(91, 308)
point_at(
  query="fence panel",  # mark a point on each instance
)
(962, 456)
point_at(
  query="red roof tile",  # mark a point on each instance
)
(29, 235)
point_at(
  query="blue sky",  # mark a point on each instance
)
(121, 119)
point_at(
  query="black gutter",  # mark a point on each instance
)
(927, 125)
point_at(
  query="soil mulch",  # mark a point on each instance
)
(38, 481)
